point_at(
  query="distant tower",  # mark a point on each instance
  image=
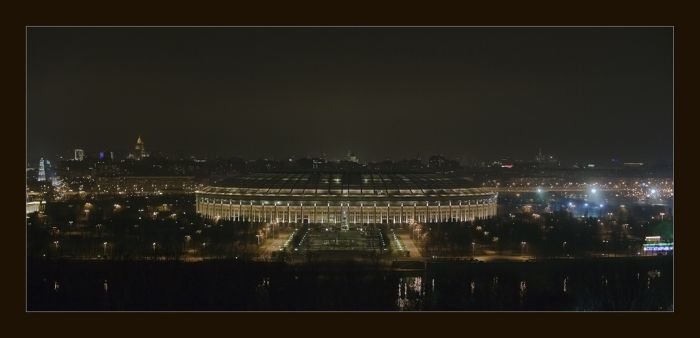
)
(46, 171)
(140, 149)
(539, 157)
(352, 157)
(79, 155)
(42, 171)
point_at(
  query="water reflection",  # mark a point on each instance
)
(471, 287)
(410, 293)
(523, 291)
(609, 289)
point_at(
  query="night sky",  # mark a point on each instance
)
(588, 94)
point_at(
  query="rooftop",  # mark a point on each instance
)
(351, 184)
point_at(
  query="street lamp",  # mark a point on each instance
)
(605, 247)
(187, 241)
(104, 249)
(154, 249)
(523, 247)
(563, 246)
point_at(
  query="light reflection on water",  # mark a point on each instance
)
(412, 294)
(472, 288)
(611, 292)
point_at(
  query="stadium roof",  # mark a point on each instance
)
(345, 184)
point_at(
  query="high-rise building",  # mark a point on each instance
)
(352, 157)
(441, 162)
(546, 160)
(78, 154)
(105, 155)
(46, 172)
(540, 157)
(140, 149)
(42, 171)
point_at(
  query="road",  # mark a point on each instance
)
(409, 245)
(272, 245)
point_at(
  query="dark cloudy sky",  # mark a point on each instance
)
(473, 93)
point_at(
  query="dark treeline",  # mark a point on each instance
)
(546, 235)
(136, 228)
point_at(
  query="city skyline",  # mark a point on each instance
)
(590, 93)
(350, 169)
(139, 152)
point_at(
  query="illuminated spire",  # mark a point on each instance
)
(140, 149)
(42, 171)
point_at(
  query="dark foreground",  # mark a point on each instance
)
(611, 284)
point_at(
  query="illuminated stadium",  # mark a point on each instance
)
(345, 198)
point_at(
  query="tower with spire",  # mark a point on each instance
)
(140, 149)
(42, 171)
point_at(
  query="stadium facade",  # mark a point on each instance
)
(346, 198)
